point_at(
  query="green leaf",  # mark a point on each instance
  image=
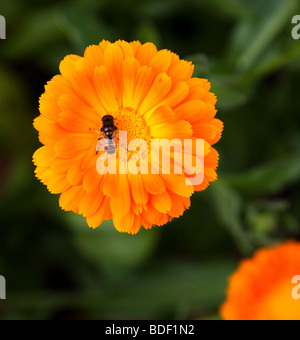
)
(113, 251)
(232, 8)
(273, 61)
(229, 96)
(35, 31)
(254, 36)
(147, 32)
(228, 205)
(201, 64)
(171, 287)
(268, 179)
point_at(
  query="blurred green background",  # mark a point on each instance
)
(55, 267)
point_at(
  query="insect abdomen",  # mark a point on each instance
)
(110, 148)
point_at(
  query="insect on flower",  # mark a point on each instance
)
(108, 129)
(132, 88)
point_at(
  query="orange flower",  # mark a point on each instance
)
(262, 288)
(151, 95)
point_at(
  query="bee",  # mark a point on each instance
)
(108, 130)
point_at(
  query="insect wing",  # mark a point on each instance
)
(101, 145)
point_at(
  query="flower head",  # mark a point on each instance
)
(151, 95)
(262, 288)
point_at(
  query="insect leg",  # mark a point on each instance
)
(94, 130)
(99, 145)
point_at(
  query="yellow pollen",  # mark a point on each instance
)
(131, 122)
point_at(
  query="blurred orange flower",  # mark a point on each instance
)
(150, 94)
(262, 287)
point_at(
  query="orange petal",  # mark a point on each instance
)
(154, 184)
(75, 174)
(125, 223)
(136, 45)
(44, 156)
(139, 194)
(45, 140)
(159, 89)
(130, 69)
(146, 224)
(136, 226)
(40, 171)
(70, 199)
(57, 86)
(161, 115)
(161, 61)
(43, 174)
(120, 198)
(93, 180)
(164, 218)
(104, 43)
(71, 121)
(62, 165)
(113, 61)
(176, 95)
(126, 49)
(174, 58)
(143, 83)
(57, 183)
(172, 130)
(151, 215)
(178, 205)
(50, 128)
(211, 159)
(199, 82)
(195, 111)
(199, 90)
(219, 127)
(72, 103)
(181, 70)
(211, 174)
(90, 202)
(49, 107)
(145, 53)
(177, 184)
(102, 213)
(74, 123)
(90, 157)
(95, 54)
(74, 146)
(161, 202)
(68, 66)
(136, 208)
(105, 89)
(202, 186)
(211, 132)
(82, 82)
(109, 184)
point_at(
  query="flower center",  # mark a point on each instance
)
(131, 122)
